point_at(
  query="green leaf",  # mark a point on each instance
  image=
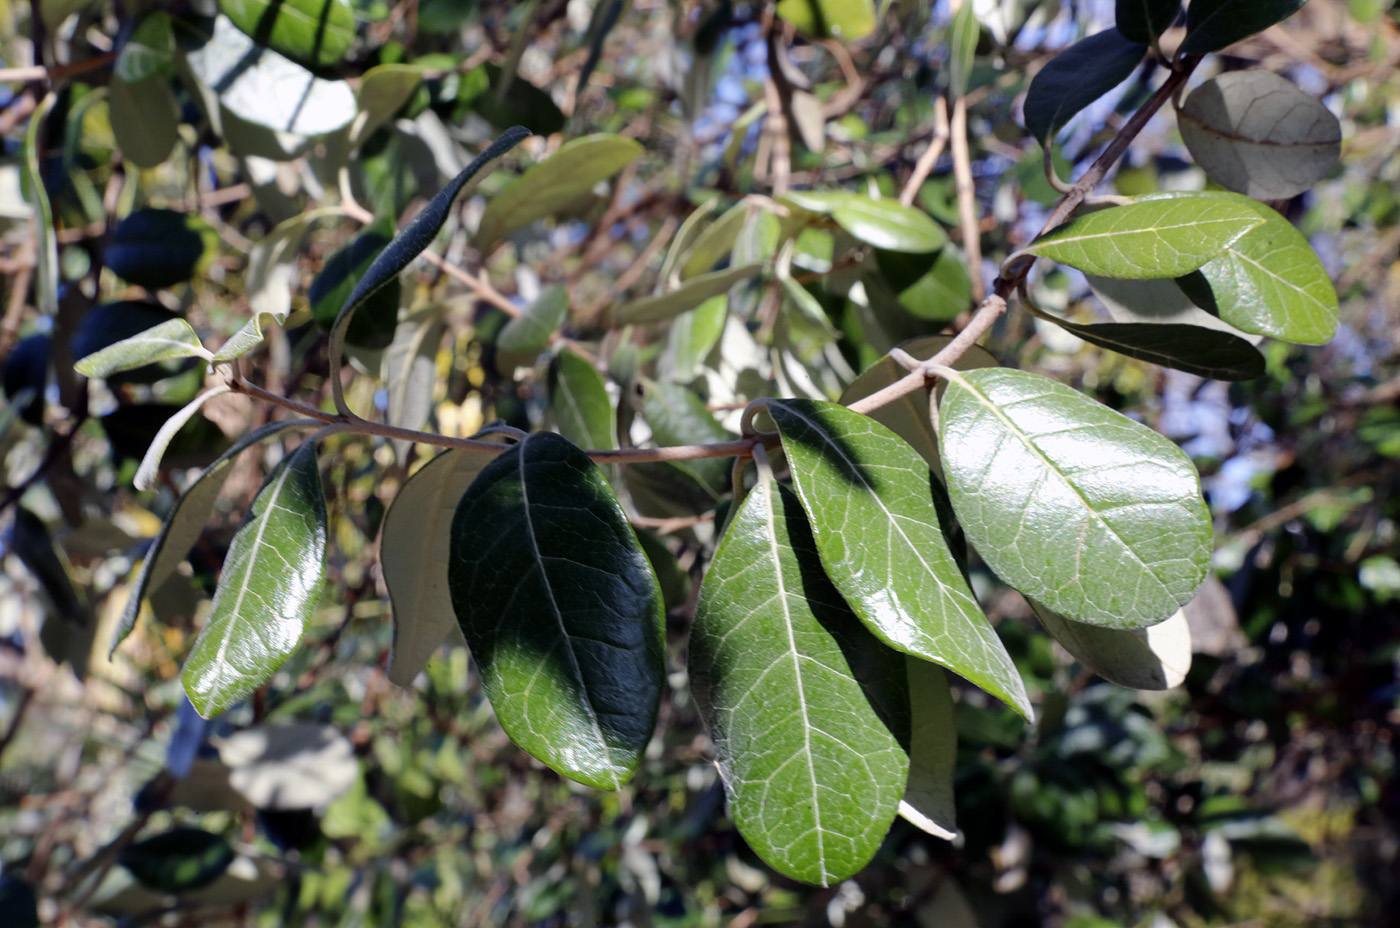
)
(1157, 302)
(384, 90)
(1214, 24)
(524, 104)
(46, 266)
(1075, 78)
(266, 88)
(530, 331)
(896, 571)
(689, 231)
(885, 224)
(662, 306)
(555, 183)
(715, 243)
(936, 292)
(807, 710)
(1156, 237)
(251, 335)
(678, 416)
(378, 316)
(171, 339)
(933, 752)
(1156, 658)
(578, 397)
(314, 33)
(837, 19)
(1268, 281)
(1191, 348)
(1145, 20)
(413, 554)
(963, 35)
(178, 860)
(1256, 133)
(561, 610)
(149, 52)
(268, 590)
(691, 337)
(145, 119)
(150, 463)
(411, 362)
(1093, 514)
(156, 248)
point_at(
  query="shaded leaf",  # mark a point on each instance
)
(157, 248)
(268, 590)
(378, 315)
(523, 104)
(662, 306)
(1190, 348)
(933, 752)
(1256, 133)
(555, 183)
(715, 242)
(578, 397)
(1075, 78)
(885, 224)
(1152, 237)
(413, 554)
(531, 330)
(1156, 658)
(314, 33)
(807, 710)
(1071, 503)
(895, 571)
(1157, 302)
(678, 416)
(411, 363)
(560, 609)
(1214, 24)
(936, 291)
(178, 860)
(1145, 20)
(145, 119)
(384, 90)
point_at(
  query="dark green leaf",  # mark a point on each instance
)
(1190, 348)
(1214, 24)
(373, 325)
(578, 396)
(1075, 78)
(157, 248)
(936, 291)
(678, 416)
(662, 306)
(149, 52)
(314, 33)
(808, 712)
(1144, 20)
(26, 376)
(145, 119)
(885, 224)
(896, 572)
(268, 590)
(1151, 237)
(1071, 503)
(560, 609)
(178, 860)
(531, 330)
(523, 104)
(555, 183)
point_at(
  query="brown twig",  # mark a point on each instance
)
(967, 195)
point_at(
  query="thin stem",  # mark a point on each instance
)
(967, 195)
(929, 159)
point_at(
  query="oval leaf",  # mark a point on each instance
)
(690, 339)
(578, 397)
(838, 19)
(897, 573)
(1156, 658)
(1256, 133)
(1213, 24)
(413, 554)
(662, 306)
(145, 119)
(1157, 302)
(561, 610)
(933, 752)
(268, 590)
(157, 248)
(678, 416)
(1095, 515)
(178, 860)
(1191, 348)
(807, 710)
(1075, 78)
(383, 91)
(164, 341)
(555, 183)
(315, 33)
(886, 224)
(531, 330)
(1157, 237)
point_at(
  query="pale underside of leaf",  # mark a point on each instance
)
(172, 339)
(933, 752)
(1155, 658)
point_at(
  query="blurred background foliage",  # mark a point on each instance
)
(1264, 790)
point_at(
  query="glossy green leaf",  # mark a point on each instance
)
(156, 248)
(561, 610)
(1268, 281)
(808, 712)
(963, 35)
(578, 397)
(837, 19)
(866, 493)
(678, 416)
(1256, 133)
(268, 590)
(555, 183)
(933, 752)
(1093, 514)
(178, 860)
(1152, 237)
(384, 90)
(413, 554)
(936, 291)
(1190, 348)
(266, 88)
(149, 52)
(662, 306)
(1145, 20)
(1156, 658)
(1214, 24)
(885, 224)
(1075, 78)
(145, 119)
(690, 337)
(173, 338)
(314, 33)
(531, 330)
